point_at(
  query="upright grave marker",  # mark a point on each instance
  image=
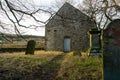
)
(111, 58)
(30, 47)
(95, 42)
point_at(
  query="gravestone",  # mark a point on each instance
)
(95, 42)
(111, 59)
(30, 47)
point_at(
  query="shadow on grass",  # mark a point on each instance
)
(49, 71)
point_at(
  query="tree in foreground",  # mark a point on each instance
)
(101, 11)
(16, 15)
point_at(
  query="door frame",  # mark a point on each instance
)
(67, 37)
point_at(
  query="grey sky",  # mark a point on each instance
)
(29, 21)
(41, 31)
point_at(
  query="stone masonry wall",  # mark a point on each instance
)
(68, 22)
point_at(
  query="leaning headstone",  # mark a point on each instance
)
(95, 42)
(111, 54)
(30, 47)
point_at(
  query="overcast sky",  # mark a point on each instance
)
(41, 31)
(38, 31)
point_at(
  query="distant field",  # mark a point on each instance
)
(38, 45)
(49, 66)
(18, 44)
(13, 46)
(18, 47)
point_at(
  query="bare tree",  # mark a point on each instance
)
(18, 11)
(17, 14)
(101, 11)
(111, 8)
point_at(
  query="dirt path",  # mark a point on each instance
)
(49, 70)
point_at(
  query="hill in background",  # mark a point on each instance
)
(13, 40)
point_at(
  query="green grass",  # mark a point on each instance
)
(49, 66)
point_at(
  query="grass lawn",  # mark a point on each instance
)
(49, 66)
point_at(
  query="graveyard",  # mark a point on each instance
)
(46, 65)
(72, 65)
(78, 44)
(49, 65)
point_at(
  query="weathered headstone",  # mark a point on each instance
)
(112, 51)
(30, 47)
(95, 42)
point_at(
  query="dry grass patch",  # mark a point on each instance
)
(80, 68)
(15, 66)
(49, 65)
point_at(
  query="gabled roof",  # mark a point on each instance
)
(69, 12)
